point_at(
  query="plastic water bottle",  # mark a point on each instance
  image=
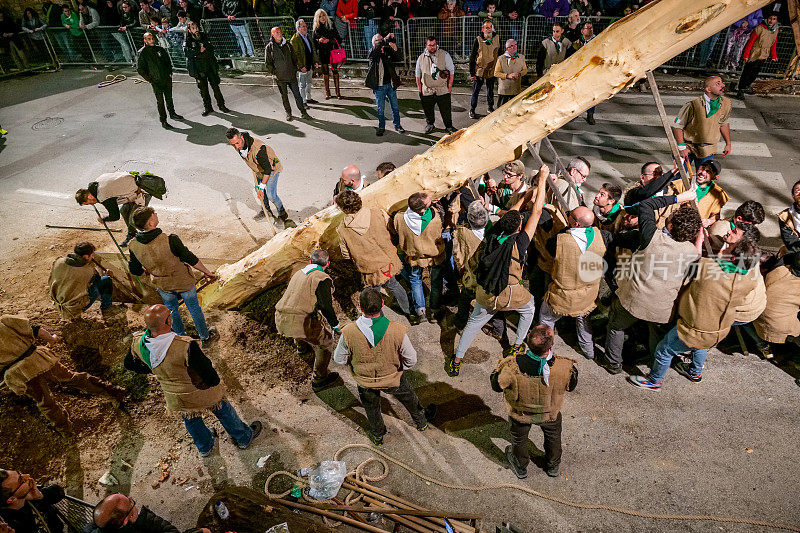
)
(222, 510)
(294, 496)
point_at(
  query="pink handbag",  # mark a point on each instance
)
(338, 55)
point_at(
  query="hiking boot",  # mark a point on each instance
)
(429, 128)
(175, 116)
(612, 368)
(551, 471)
(259, 215)
(224, 109)
(379, 132)
(374, 439)
(414, 320)
(256, 427)
(430, 414)
(515, 351)
(589, 120)
(214, 434)
(472, 114)
(432, 314)
(323, 383)
(400, 130)
(766, 351)
(489, 330)
(452, 367)
(644, 382)
(683, 369)
(520, 472)
(213, 335)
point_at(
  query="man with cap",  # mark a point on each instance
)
(378, 352)
(76, 282)
(702, 121)
(297, 315)
(112, 190)
(533, 383)
(188, 379)
(711, 198)
(169, 264)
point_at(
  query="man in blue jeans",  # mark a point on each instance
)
(382, 79)
(706, 312)
(187, 376)
(169, 264)
(76, 283)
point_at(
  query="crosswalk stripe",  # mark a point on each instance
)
(63, 196)
(649, 144)
(737, 123)
(675, 100)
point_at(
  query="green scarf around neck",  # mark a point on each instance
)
(714, 106)
(379, 327)
(427, 216)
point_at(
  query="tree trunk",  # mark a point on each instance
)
(615, 59)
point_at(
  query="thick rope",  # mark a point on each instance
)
(111, 79)
(359, 471)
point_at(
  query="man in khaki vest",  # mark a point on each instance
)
(351, 179)
(552, 50)
(378, 352)
(266, 167)
(701, 122)
(649, 280)
(578, 42)
(112, 190)
(779, 321)
(762, 44)
(188, 379)
(577, 270)
(297, 316)
(706, 312)
(509, 70)
(76, 282)
(498, 273)
(419, 231)
(533, 383)
(578, 170)
(169, 264)
(482, 60)
(749, 213)
(30, 370)
(434, 72)
(711, 198)
(607, 208)
(364, 238)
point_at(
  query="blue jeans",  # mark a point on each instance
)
(242, 39)
(381, 94)
(240, 432)
(670, 346)
(103, 289)
(414, 276)
(706, 49)
(271, 193)
(370, 30)
(173, 299)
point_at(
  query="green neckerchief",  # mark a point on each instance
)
(733, 224)
(731, 268)
(143, 348)
(589, 236)
(536, 359)
(772, 28)
(584, 41)
(614, 211)
(501, 239)
(713, 106)
(488, 41)
(514, 56)
(427, 216)
(557, 43)
(379, 327)
(702, 191)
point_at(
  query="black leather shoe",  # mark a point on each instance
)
(207, 112)
(175, 116)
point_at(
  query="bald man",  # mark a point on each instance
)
(117, 512)
(187, 376)
(702, 121)
(578, 267)
(350, 180)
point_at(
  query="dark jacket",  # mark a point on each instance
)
(383, 53)
(154, 65)
(303, 57)
(146, 522)
(201, 64)
(237, 8)
(324, 49)
(369, 9)
(25, 519)
(52, 13)
(109, 16)
(279, 61)
(130, 19)
(306, 10)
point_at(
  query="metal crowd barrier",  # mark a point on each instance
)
(248, 37)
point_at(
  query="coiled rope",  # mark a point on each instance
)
(111, 79)
(383, 457)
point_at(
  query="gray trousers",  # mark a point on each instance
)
(548, 317)
(480, 316)
(619, 319)
(399, 293)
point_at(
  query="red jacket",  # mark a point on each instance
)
(773, 51)
(349, 9)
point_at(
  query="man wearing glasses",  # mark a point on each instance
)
(578, 170)
(509, 70)
(118, 512)
(21, 501)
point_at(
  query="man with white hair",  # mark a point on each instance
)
(578, 170)
(303, 53)
(383, 80)
(509, 70)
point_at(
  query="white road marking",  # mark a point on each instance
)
(737, 123)
(650, 144)
(62, 196)
(676, 100)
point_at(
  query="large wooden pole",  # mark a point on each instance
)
(612, 61)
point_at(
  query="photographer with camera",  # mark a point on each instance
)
(383, 80)
(434, 73)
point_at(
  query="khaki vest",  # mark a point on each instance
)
(119, 185)
(540, 238)
(763, 43)
(167, 272)
(710, 206)
(554, 56)
(16, 338)
(702, 133)
(754, 302)
(251, 161)
(372, 252)
(528, 399)
(296, 314)
(178, 381)
(786, 217)
(421, 250)
(505, 65)
(465, 245)
(487, 55)
(376, 367)
(69, 287)
(779, 319)
(717, 232)
(649, 286)
(707, 308)
(567, 192)
(432, 86)
(568, 294)
(514, 296)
